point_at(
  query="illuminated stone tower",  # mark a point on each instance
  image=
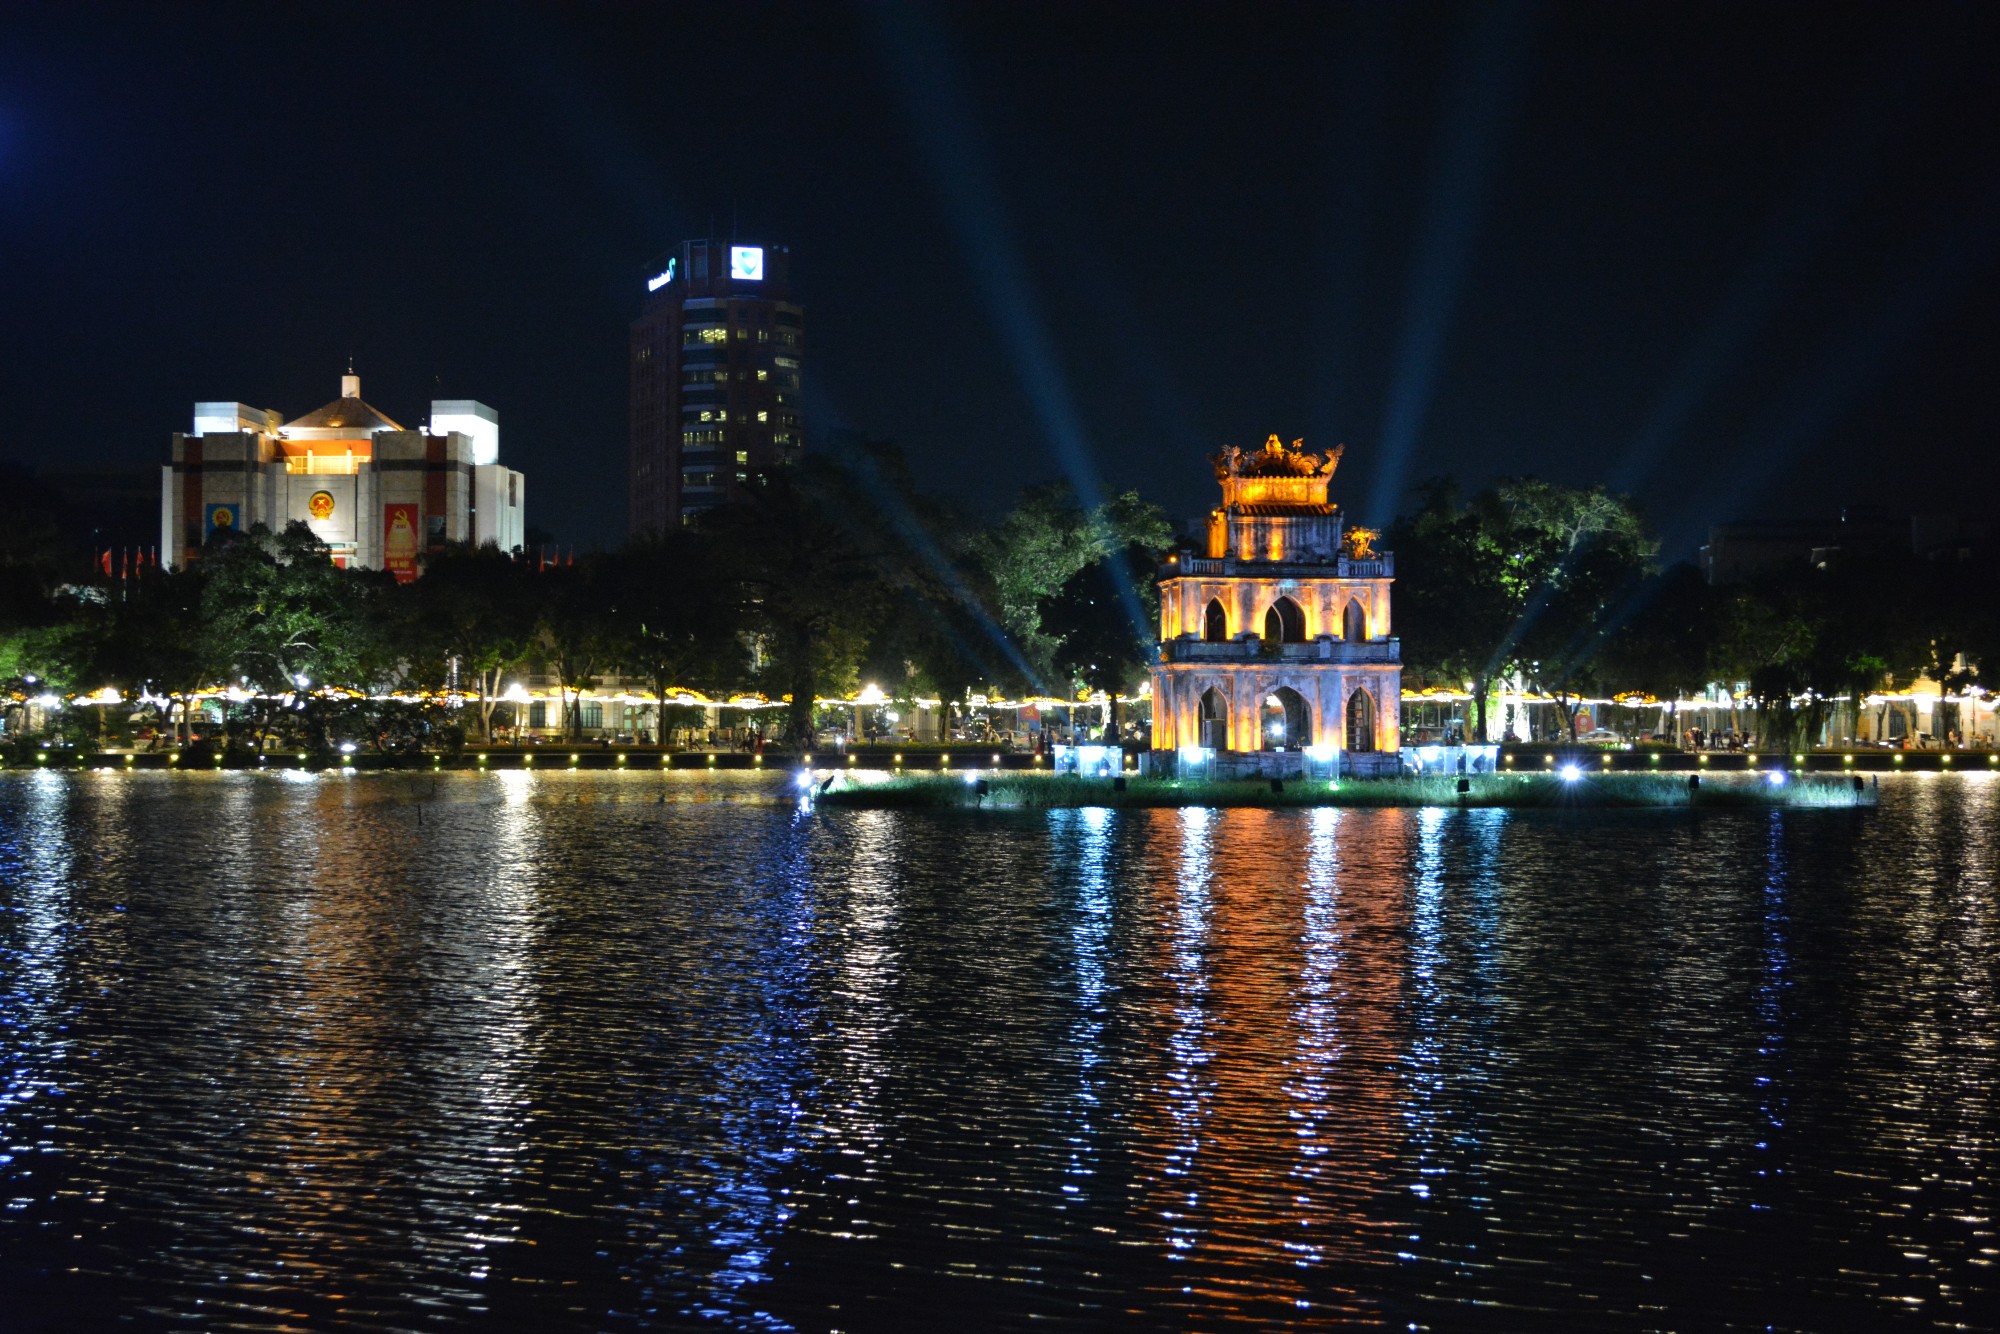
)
(1275, 650)
(715, 358)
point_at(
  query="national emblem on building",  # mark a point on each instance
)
(1274, 644)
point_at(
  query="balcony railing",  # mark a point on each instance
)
(1374, 652)
(1345, 567)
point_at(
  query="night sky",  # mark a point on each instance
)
(1738, 260)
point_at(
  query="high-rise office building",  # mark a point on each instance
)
(715, 378)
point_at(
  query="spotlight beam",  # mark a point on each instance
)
(927, 74)
(1839, 173)
(1483, 91)
(1925, 285)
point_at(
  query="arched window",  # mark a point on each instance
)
(1215, 624)
(1214, 719)
(1360, 721)
(1354, 624)
(1285, 623)
(1287, 720)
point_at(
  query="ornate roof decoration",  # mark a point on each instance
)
(1275, 460)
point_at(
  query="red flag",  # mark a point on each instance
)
(104, 562)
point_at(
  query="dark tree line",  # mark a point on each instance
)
(1562, 589)
(828, 573)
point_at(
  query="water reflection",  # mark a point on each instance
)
(537, 1050)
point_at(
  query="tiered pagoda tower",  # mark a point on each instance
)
(1275, 648)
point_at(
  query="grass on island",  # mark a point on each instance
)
(1017, 791)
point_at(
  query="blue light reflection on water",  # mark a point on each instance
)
(540, 1050)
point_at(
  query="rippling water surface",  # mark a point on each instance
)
(546, 1051)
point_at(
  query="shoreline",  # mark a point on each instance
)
(1482, 791)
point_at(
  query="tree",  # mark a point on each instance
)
(283, 617)
(1046, 540)
(1526, 577)
(675, 618)
(808, 551)
(573, 632)
(1454, 605)
(157, 643)
(1665, 641)
(475, 605)
(1097, 644)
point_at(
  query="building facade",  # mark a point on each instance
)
(715, 362)
(1275, 643)
(381, 496)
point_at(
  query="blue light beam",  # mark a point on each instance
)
(928, 76)
(1839, 173)
(1483, 91)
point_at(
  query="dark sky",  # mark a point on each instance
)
(1734, 259)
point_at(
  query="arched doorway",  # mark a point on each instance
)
(1215, 623)
(1360, 721)
(1214, 719)
(1285, 623)
(1354, 624)
(1287, 720)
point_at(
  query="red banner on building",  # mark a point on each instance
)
(399, 541)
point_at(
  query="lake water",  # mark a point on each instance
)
(545, 1051)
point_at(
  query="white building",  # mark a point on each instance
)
(379, 495)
